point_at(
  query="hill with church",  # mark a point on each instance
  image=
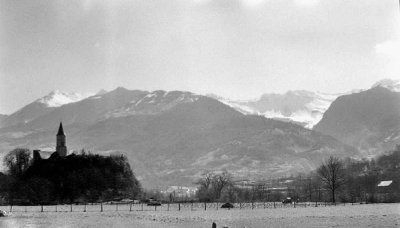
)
(66, 178)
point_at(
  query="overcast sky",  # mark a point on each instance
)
(234, 48)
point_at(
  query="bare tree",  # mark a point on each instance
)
(220, 181)
(205, 191)
(332, 174)
(17, 161)
(213, 184)
(206, 179)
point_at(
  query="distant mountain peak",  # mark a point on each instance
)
(390, 84)
(120, 88)
(101, 92)
(57, 98)
(302, 107)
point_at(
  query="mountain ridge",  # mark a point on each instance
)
(368, 120)
(170, 137)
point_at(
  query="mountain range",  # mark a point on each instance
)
(301, 107)
(171, 137)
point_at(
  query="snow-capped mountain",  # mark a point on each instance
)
(390, 84)
(117, 103)
(302, 107)
(170, 137)
(58, 98)
(41, 107)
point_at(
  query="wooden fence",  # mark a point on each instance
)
(188, 206)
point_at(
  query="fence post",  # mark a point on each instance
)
(274, 204)
(179, 206)
(294, 204)
(155, 208)
(130, 207)
(168, 207)
(84, 210)
(252, 205)
(101, 206)
(11, 208)
(217, 206)
(71, 207)
(205, 206)
(240, 206)
(316, 203)
(264, 204)
(56, 207)
(191, 206)
(41, 208)
(25, 209)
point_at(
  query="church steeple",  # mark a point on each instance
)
(61, 147)
(60, 130)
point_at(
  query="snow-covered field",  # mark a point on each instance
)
(369, 215)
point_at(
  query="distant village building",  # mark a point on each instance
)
(61, 148)
(386, 192)
(266, 187)
(180, 191)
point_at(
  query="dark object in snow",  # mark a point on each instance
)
(154, 203)
(227, 205)
(287, 201)
(3, 213)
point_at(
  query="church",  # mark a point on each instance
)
(61, 148)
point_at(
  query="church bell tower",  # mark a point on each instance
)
(61, 148)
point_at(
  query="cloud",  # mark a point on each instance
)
(390, 52)
(253, 3)
(389, 48)
(308, 3)
(201, 1)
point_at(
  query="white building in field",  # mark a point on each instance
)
(180, 191)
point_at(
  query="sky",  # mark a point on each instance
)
(238, 49)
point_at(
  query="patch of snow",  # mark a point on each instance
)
(390, 84)
(150, 95)
(58, 98)
(238, 107)
(139, 101)
(309, 114)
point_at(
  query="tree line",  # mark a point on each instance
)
(344, 180)
(77, 178)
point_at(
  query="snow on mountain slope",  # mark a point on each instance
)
(390, 84)
(41, 106)
(302, 107)
(58, 98)
(151, 103)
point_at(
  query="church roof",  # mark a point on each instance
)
(60, 130)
